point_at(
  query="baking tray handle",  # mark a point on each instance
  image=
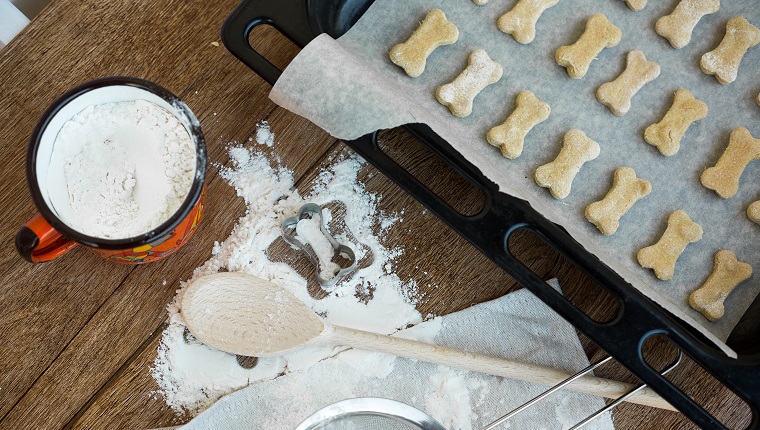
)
(287, 16)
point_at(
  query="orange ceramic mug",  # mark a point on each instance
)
(46, 237)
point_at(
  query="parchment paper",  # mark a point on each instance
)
(349, 87)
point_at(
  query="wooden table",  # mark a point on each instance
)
(79, 334)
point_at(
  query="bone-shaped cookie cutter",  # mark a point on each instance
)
(288, 228)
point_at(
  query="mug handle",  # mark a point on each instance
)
(38, 241)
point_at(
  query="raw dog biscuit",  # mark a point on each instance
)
(753, 212)
(662, 256)
(600, 33)
(724, 177)
(510, 136)
(727, 274)
(638, 71)
(559, 174)
(434, 31)
(458, 95)
(636, 5)
(723, 61)
(666, 135)
(678, 26)
(520, 22)
(626, 190)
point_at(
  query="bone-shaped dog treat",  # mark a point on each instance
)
(678, 26)
(724, 177)
(727, 274)
(510, 136)
(666, 135)
(520, 22)
(636, 5)
(559, 174)
(662, 256)
(600, 33)
(434, 31)
(458, 95)
(626, 190)
(723, 61)
(638, 71)
(753, 212)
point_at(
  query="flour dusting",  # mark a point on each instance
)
(449, 397)
(309, 231)
(264, 136)
(191, 376)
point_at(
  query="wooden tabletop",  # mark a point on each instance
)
(79, 334)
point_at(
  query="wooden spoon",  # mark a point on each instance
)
(245, 315)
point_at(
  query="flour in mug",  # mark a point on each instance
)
(120, 169)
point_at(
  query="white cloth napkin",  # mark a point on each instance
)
(517, 326)
(12, 21)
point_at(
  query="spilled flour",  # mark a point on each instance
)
(277, 393)
(309, 231)
(192, 376)
(264, 136)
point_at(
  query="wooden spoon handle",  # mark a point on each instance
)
(492, 365)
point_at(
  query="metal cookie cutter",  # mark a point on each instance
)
(307, 211)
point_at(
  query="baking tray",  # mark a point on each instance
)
(638, 318)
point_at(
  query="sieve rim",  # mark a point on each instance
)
(371, 406)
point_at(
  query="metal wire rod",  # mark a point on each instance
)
(546, 394)
(622, 398)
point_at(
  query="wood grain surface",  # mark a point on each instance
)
(80, 334)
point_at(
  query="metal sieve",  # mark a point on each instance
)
(369, 413)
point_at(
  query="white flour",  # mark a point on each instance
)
(126, 167)
(309, 231)
(452, 388)
(192, 376)
(263, 135)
